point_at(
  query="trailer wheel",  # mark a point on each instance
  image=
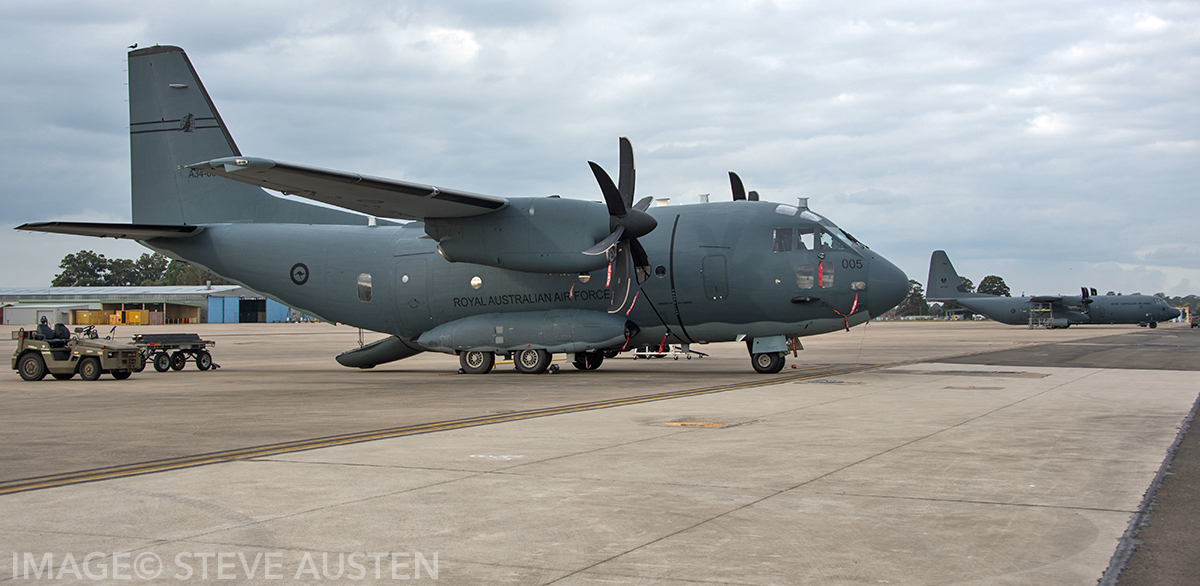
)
(162, 362)
(121, 374)
(203, 360)
(178, 361)
(89, 368)
(32, 367)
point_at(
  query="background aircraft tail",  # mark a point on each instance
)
(944, 283)
(172, 123)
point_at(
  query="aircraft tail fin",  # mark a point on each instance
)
(944, 283)
(172, 123)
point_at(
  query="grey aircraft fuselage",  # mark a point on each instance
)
(717, 275)
(944, 284)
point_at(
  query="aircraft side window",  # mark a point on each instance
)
(804, 277)
(806, 239)
(825, 275)
(364, 287)
(783, 239)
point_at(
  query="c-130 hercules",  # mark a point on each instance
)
(479, 275)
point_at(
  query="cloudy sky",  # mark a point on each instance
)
(1056, 144)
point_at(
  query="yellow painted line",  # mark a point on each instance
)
(693, 424)
(69, 478)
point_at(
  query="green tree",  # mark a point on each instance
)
(88, 269)
(994, 285)
(82, 269)
(915, 303)
(179, 273)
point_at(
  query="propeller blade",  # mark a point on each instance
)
(752, 196)
(603, 246)
(625, 179)
(739, 190)
(641, 261)
(612, 197)
(643, 204)
(621, 283)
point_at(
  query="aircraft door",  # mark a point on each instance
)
(412, 293)
(716, 280)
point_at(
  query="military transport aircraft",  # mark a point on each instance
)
(1052, 311)
(479, 275)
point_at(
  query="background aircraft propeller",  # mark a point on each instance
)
(628, 221)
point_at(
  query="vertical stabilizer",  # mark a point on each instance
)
(944, 282)
(172, 123)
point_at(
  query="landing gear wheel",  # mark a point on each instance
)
(89, 368)
(66, 376)
(32, 367)
(588, 360)
(768, 362)
(162, 362)
(121, 374)
(203, 360)
(532, 361)
(178, 361)
(476, 362)
(1153, 325)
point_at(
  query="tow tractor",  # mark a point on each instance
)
(172, 351)
(56, 352)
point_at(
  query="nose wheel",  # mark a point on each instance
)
(768, 362)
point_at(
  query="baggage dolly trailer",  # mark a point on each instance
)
(172, 351)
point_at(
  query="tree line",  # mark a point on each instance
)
(88, 269)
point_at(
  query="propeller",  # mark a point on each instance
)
(739, 190)
(628, 221)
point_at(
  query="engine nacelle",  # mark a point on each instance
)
(559, 330)
(535, 235)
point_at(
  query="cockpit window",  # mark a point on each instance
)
(807, 239)
(783, 239)
(831, 242)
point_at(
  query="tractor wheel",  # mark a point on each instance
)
(63, 376)
(121, 374)
(32, 367)
(89, 368)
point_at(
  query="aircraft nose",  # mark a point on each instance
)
(887, 286)
(1173, 313)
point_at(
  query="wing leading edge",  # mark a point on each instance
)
(377, 196)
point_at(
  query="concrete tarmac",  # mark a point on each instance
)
(920, 471)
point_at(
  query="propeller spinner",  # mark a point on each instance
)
(628, 222)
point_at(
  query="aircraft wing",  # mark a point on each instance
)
(375, 196)
(129, 231)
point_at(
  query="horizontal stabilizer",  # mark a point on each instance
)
(99, 230)
(376, 196)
